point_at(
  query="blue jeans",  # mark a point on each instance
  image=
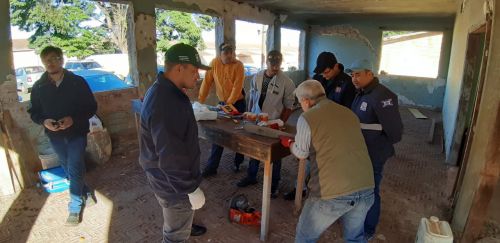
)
(253, 168)
(373, 216)
(71, 152)
(318, 214)
(216, 152)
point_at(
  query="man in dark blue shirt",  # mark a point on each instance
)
(377, 109)
(63, 103)
(169, 148)
(337, 84)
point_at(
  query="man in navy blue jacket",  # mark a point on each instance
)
(337, 84)
(169, 148)
(63, 103)
(377, 109)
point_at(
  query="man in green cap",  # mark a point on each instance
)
(169, 148)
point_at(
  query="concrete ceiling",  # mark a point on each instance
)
(311, 9)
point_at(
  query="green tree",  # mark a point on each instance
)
(115, 21)
(58, 22)
(175, 26)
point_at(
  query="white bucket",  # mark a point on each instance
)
(434, 231)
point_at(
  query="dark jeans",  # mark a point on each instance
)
(71, 152)
(253, 168)
(373, 215)
(216, 153)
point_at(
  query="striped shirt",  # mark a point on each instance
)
(302, 142)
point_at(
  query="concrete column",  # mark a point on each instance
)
(445, 54)
(303, 51)
(225, 30)
(142, 43)
(274, 36)
(6, 57)
(277, 34)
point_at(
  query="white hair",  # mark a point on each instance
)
(310, 89)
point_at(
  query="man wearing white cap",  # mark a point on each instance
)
(377, 109)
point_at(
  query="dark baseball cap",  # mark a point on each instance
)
(325, 60)
(184, 54)
(274, 57)
(226, 47)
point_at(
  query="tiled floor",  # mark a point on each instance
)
(416, 184)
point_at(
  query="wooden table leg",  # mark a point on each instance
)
(266, 200)
(137, 117)
(300, 185)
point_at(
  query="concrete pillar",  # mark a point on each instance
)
(277, 34)
(225, 30)
(142, 43)
(6, 58)
(274, 35)
(303, 50)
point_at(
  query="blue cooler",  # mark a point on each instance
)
(54, 180)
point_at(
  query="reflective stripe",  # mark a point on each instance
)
(376, 127)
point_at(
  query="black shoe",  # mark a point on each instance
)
(290, 196)
(197, 230)
(208, 172)
(246, 182)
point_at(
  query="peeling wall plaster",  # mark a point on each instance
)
(346, 31)
(144, 38)
(241, 11)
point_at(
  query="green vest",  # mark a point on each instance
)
(340, 164)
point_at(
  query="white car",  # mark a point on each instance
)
(27, 76)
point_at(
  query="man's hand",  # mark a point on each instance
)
(66, 122)
(286, 141)
(51, 124)
(197, 199)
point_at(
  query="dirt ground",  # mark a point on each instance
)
(416, 184)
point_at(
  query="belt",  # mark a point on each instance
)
(375, 127)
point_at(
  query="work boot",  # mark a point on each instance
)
(290, 196)
(73, 219)
(197, 230)
(246, 182)
(90, 200)
(208, 172)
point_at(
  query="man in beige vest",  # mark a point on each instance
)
(341, 184)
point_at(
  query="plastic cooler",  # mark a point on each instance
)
(54, 180)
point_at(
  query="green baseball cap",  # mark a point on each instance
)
(185, 54)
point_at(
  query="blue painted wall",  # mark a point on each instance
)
(352, 39)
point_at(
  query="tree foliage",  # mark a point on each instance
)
(115, 21)
(61, 23)
(389, 34)
(175, 26)
(56, 22)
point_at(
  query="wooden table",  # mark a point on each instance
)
(225, 132)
